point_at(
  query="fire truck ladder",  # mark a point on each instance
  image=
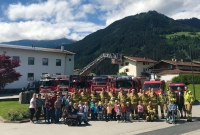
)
(116, 56)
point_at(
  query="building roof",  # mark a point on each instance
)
(176, 63)
(176, 71)
(36, 49)
(180, 63)
(139, 59)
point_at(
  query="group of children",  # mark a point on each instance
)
(113, 110)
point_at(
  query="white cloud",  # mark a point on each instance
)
(53, 19)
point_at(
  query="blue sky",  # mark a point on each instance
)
(75, 19)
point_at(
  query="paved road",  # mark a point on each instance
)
(107, 128)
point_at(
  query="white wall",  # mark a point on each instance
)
(135, 68)
(67, 67)
(168, 77)
(140, 68)
(131, 67)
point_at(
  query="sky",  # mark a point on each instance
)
(75, 19)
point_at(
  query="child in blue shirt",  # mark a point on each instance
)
(100, 111)
(95, 109)
(92, 104)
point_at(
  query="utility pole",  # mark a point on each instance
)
(192, 73)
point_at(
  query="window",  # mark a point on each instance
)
(69, 59)
(144, 69)
(126, 70)
(58, 73)
(45, 61)
(122, 64)
(30, 76)
(170, 66)
(126, 63)
(31, 60)
(15, 57)
(58, 62)
(143, 63)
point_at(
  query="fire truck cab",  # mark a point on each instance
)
(63, 84)
(174, 86)
(99, 82)
(156, 84)
(47, 84)
(126, 83)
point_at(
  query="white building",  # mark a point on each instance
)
(36, 61)
(136, 66)
(167, 69)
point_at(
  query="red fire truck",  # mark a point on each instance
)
(63, 84)
(126, 83)
(174, 86)
(157, 84)
(47, 84)
(99, 82)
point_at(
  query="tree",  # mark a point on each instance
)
(7, 72)
(122, 73)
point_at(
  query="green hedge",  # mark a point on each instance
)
(187, 79)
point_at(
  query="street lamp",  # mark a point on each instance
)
(192, 72)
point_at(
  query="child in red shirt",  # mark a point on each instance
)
(123, 111)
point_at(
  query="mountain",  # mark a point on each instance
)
(152, 35)
(41, 43)
(194, 22)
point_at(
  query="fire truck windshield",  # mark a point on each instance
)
(123, 84)
(64, 82)
(100, 81)
(79, 84)
(46, 83)
(174, 88)
(155, 86)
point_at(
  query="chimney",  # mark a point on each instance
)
(62, 48)
(172, 59)
(182, 60)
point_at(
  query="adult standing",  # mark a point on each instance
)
(154, 101)
(180, 101)
(134, 101)
(53, 99)
(39, 107)
(188, 101)
(49, 105)
(32, 107)
(104, 95)
(44, 106)
(162, 101)
(122, 97)
(57, 106)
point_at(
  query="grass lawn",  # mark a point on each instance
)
(6, 106)
(197, 90)
(183, 33)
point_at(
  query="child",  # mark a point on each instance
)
(109, 111)
(140, 111)
(118, 112)
(100, 111)
(92, 104)
(95, 111)
(123, 111)
(85, 110)
(128, 111)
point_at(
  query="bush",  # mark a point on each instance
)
(187, 79)
(25, 113)
(14, 115)
(122, 73)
